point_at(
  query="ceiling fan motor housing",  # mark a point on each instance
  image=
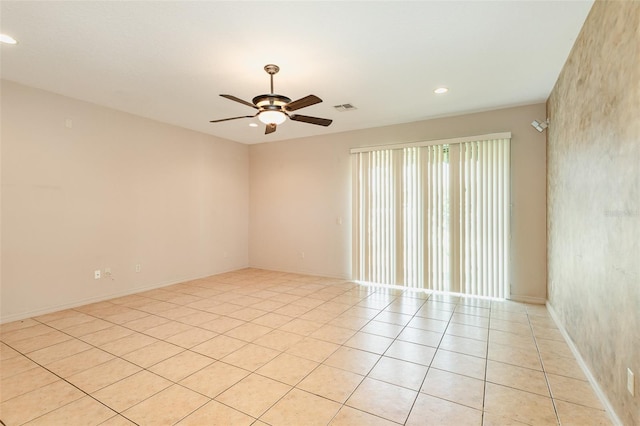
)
(271, 102)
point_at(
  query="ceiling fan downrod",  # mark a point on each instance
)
(271, 69)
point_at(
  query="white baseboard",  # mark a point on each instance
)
(528, 299)
(301, 271)
(583, 365)
(81, 302)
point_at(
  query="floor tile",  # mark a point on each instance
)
(301, 326)
(381, 328)
(411, 352)
(578, 415)
(562, 366)
(441, 412)
(219, 347)
(468, 331)
(214, 413)
(38, 402)
(354, 360)
(333, 334)
(87, 327)
(152, 354)
(16, 365)
(402, 373)
(16, 325)
(393, 318)
(102, 375)
(492, 419)
(253, 395)
(251, 357)
(79, 362)
(369, 342)
(279, 340)
(525, 342)
(287, 368)
(131, 390)
(313, 343)
(514, 356)
(128, 344)
(7, 352)
(510, 326)
(222, 324)
(214, 379)
(190, 338)
(573, 390)
(422, 337)
(59, 351)
(464, 345)
(248, 332)
(85, 411)
(553, 348)
(301, 408)
(35, 343)
(145, 323)
(272, 320)
(74, 319)
(168, 329)
(455, 388)
(455, 362)
(348, 416)
(331, 383)
(106, 335)
(313, 349)
(372, 396)
(181, 365)
(24, 382)
(430, 324)
(166, 407)
(516, 377)
(519, 405)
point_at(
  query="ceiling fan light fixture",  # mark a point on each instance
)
(272, 117)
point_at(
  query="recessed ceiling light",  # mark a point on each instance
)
(253, 125)
(441, 90)
(7, 39)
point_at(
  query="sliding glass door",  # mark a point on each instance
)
(433, 216)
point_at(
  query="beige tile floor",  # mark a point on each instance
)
(256, 347)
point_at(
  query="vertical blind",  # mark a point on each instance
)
(434, 215)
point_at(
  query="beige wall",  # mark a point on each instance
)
(114, 190)
(300, 187)
(594, 200)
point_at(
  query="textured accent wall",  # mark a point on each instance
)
(593, 199)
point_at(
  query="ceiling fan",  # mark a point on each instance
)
(274, 109)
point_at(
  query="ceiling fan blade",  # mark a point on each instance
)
(233, 98)
(270, 128)
(311, 120)
(232, 118)
(303, 102)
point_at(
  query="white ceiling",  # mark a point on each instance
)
(169, 61)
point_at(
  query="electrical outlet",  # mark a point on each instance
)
(96, 274)
(301, 255)
(138, 267)
(107, 272)
(630, 382)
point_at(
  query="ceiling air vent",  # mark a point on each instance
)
(344, 107)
